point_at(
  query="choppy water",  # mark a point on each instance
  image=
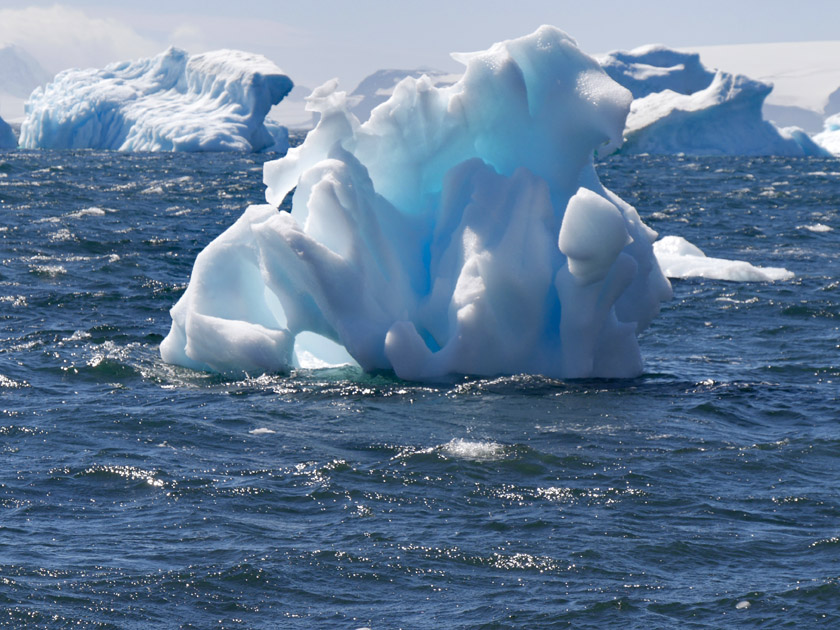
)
(134, 494)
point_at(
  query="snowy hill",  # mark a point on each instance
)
(20, 74)
(378, 87)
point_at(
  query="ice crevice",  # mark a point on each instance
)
(460, 229)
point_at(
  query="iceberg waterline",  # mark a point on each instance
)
(459, 230)
(214, 101)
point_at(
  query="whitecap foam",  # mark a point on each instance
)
(49, 270)
(816, 227)
(87, 212)
(477, 451)
(62, 235)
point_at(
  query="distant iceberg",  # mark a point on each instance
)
(680, 259)
(7, 136)
(655, 68)
(829, 137)
(459, 230)
(681, 107)
(215, 101)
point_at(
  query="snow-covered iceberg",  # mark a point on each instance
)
(7, 136)
(681, 107)
(459, 230)
(680, 259)
(215, 101)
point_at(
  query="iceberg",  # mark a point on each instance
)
(655, 68)
(459, 230)
(679, 258)
(829, 137)
(680, 106)
(7, 136)
(216, 101)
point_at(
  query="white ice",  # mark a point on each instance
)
(680, 259)
(216, 101)
(459, 230)
(682, 107)
(829, 138)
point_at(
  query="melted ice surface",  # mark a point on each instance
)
(461, 229)
(216, 101)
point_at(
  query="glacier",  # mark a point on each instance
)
(215, 101)
(680, 106)
(461, 229)
(7, 136)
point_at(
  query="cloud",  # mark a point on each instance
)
(61, 37)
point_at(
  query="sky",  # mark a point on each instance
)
(316, 40)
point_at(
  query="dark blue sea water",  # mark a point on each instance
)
(135, 494)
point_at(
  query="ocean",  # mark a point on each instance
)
(136, 494)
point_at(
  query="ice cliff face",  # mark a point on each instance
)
(681, 107)
(7, 136)
(459, 230)
(215, 101)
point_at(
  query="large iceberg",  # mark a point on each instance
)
(216, 101)
(681, 107)
(459, 230)
(7, 136)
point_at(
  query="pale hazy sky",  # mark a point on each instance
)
(314, 40)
